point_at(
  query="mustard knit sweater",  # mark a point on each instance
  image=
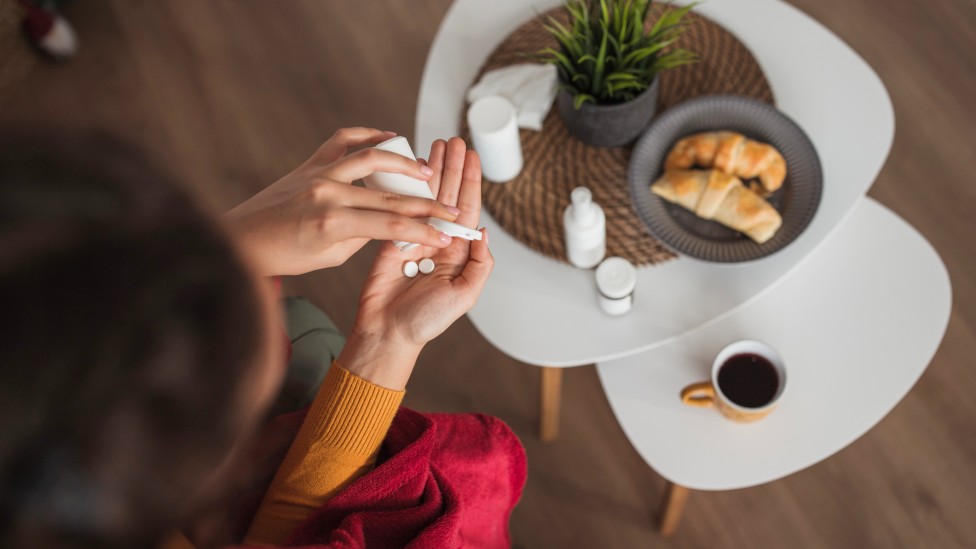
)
(336, 444)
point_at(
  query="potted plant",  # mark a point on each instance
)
(608, 64)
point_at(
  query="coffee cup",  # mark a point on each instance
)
(748, 379)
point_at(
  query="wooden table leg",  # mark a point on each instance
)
(552, 379)
(672, 507)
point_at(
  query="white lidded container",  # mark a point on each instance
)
(616, 279)
(406, 185)
(397, 182)
(586, 230)
(493, 123)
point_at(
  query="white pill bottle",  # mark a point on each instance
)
(586, 230)
(397, 182)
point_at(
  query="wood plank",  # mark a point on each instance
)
(672, 508)
(549, 403)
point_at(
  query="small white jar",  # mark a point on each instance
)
(616, 279)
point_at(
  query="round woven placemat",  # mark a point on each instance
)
(530, 207)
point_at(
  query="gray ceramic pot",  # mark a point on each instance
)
(609, 125)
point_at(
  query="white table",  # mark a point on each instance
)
(835, 97)
(544, 313)
(856, 327)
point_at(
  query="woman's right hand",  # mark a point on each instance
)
(398, 315)
(314, 218)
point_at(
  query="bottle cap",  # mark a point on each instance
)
(582, 204)
(581, 196)
(453, 229)
(616, 278)
(405, 246)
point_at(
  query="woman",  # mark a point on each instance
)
(142, 345)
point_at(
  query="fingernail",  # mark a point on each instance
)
(426, 171)
(452, 210)
(485, 230)
(445, 238)
(389, 133)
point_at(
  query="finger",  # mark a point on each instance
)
(422, 162)
(409, 206)
(469, 195)
(436, 163)
(368, 161)
(385, 226)
(479, 266)
(453, 167)
(344, 138)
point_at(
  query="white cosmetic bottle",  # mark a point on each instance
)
(586, 230)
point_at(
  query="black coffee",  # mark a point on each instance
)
(748, 380)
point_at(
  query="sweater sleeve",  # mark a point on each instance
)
(337, 443)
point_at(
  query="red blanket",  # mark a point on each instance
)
(442, 480)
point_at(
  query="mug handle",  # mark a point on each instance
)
(700, 394)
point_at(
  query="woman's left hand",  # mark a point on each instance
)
(314, 218)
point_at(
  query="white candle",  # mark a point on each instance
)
(494, 131)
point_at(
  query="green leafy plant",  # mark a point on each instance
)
(606, 56)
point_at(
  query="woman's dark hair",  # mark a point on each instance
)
(127, 326)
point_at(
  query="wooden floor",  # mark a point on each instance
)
(230, 94)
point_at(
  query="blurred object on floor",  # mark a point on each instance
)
(14, 50)
(47, 30)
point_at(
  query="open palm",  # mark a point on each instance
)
(416, 310)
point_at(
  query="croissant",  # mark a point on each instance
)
(715, 195)
(733, 153)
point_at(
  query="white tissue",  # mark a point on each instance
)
(531, 87)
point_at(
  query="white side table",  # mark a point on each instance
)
(856, 327)
(543, 312)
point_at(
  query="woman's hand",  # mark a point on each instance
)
(314, 218)
(398, 315)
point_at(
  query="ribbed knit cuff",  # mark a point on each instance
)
(352, 414)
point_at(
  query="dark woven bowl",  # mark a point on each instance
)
(683, 231)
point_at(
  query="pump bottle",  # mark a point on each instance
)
(586, 230)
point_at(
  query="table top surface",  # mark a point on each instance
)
(545, 312)
(853, 341)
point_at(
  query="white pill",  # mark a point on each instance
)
(426, 265)
(410, 269)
